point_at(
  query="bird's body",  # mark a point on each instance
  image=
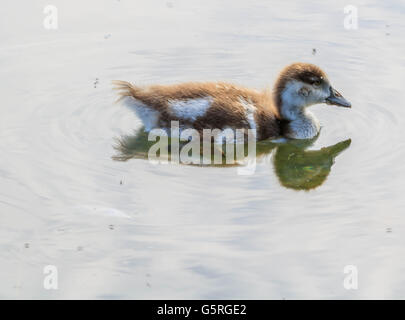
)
(218, 105)
(204, 106)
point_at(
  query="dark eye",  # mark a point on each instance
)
(316, 82)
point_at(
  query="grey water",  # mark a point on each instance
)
(136, 230)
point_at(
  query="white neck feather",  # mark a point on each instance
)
(302, 123)
(303, 126)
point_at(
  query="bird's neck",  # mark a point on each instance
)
(301, 124)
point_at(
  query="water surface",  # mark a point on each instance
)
(131, 229)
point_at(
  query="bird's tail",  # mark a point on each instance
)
(126, 89)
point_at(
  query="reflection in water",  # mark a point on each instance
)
(300, 169)
(295, 166)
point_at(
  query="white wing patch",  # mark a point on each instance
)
(190, 109)
(148, 116)
(250, 110)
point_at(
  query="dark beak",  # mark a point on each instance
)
(337, 99)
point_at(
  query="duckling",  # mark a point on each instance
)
(219, 105)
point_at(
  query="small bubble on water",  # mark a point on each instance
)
(26, 245)
(111, 227)
(388, 230)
